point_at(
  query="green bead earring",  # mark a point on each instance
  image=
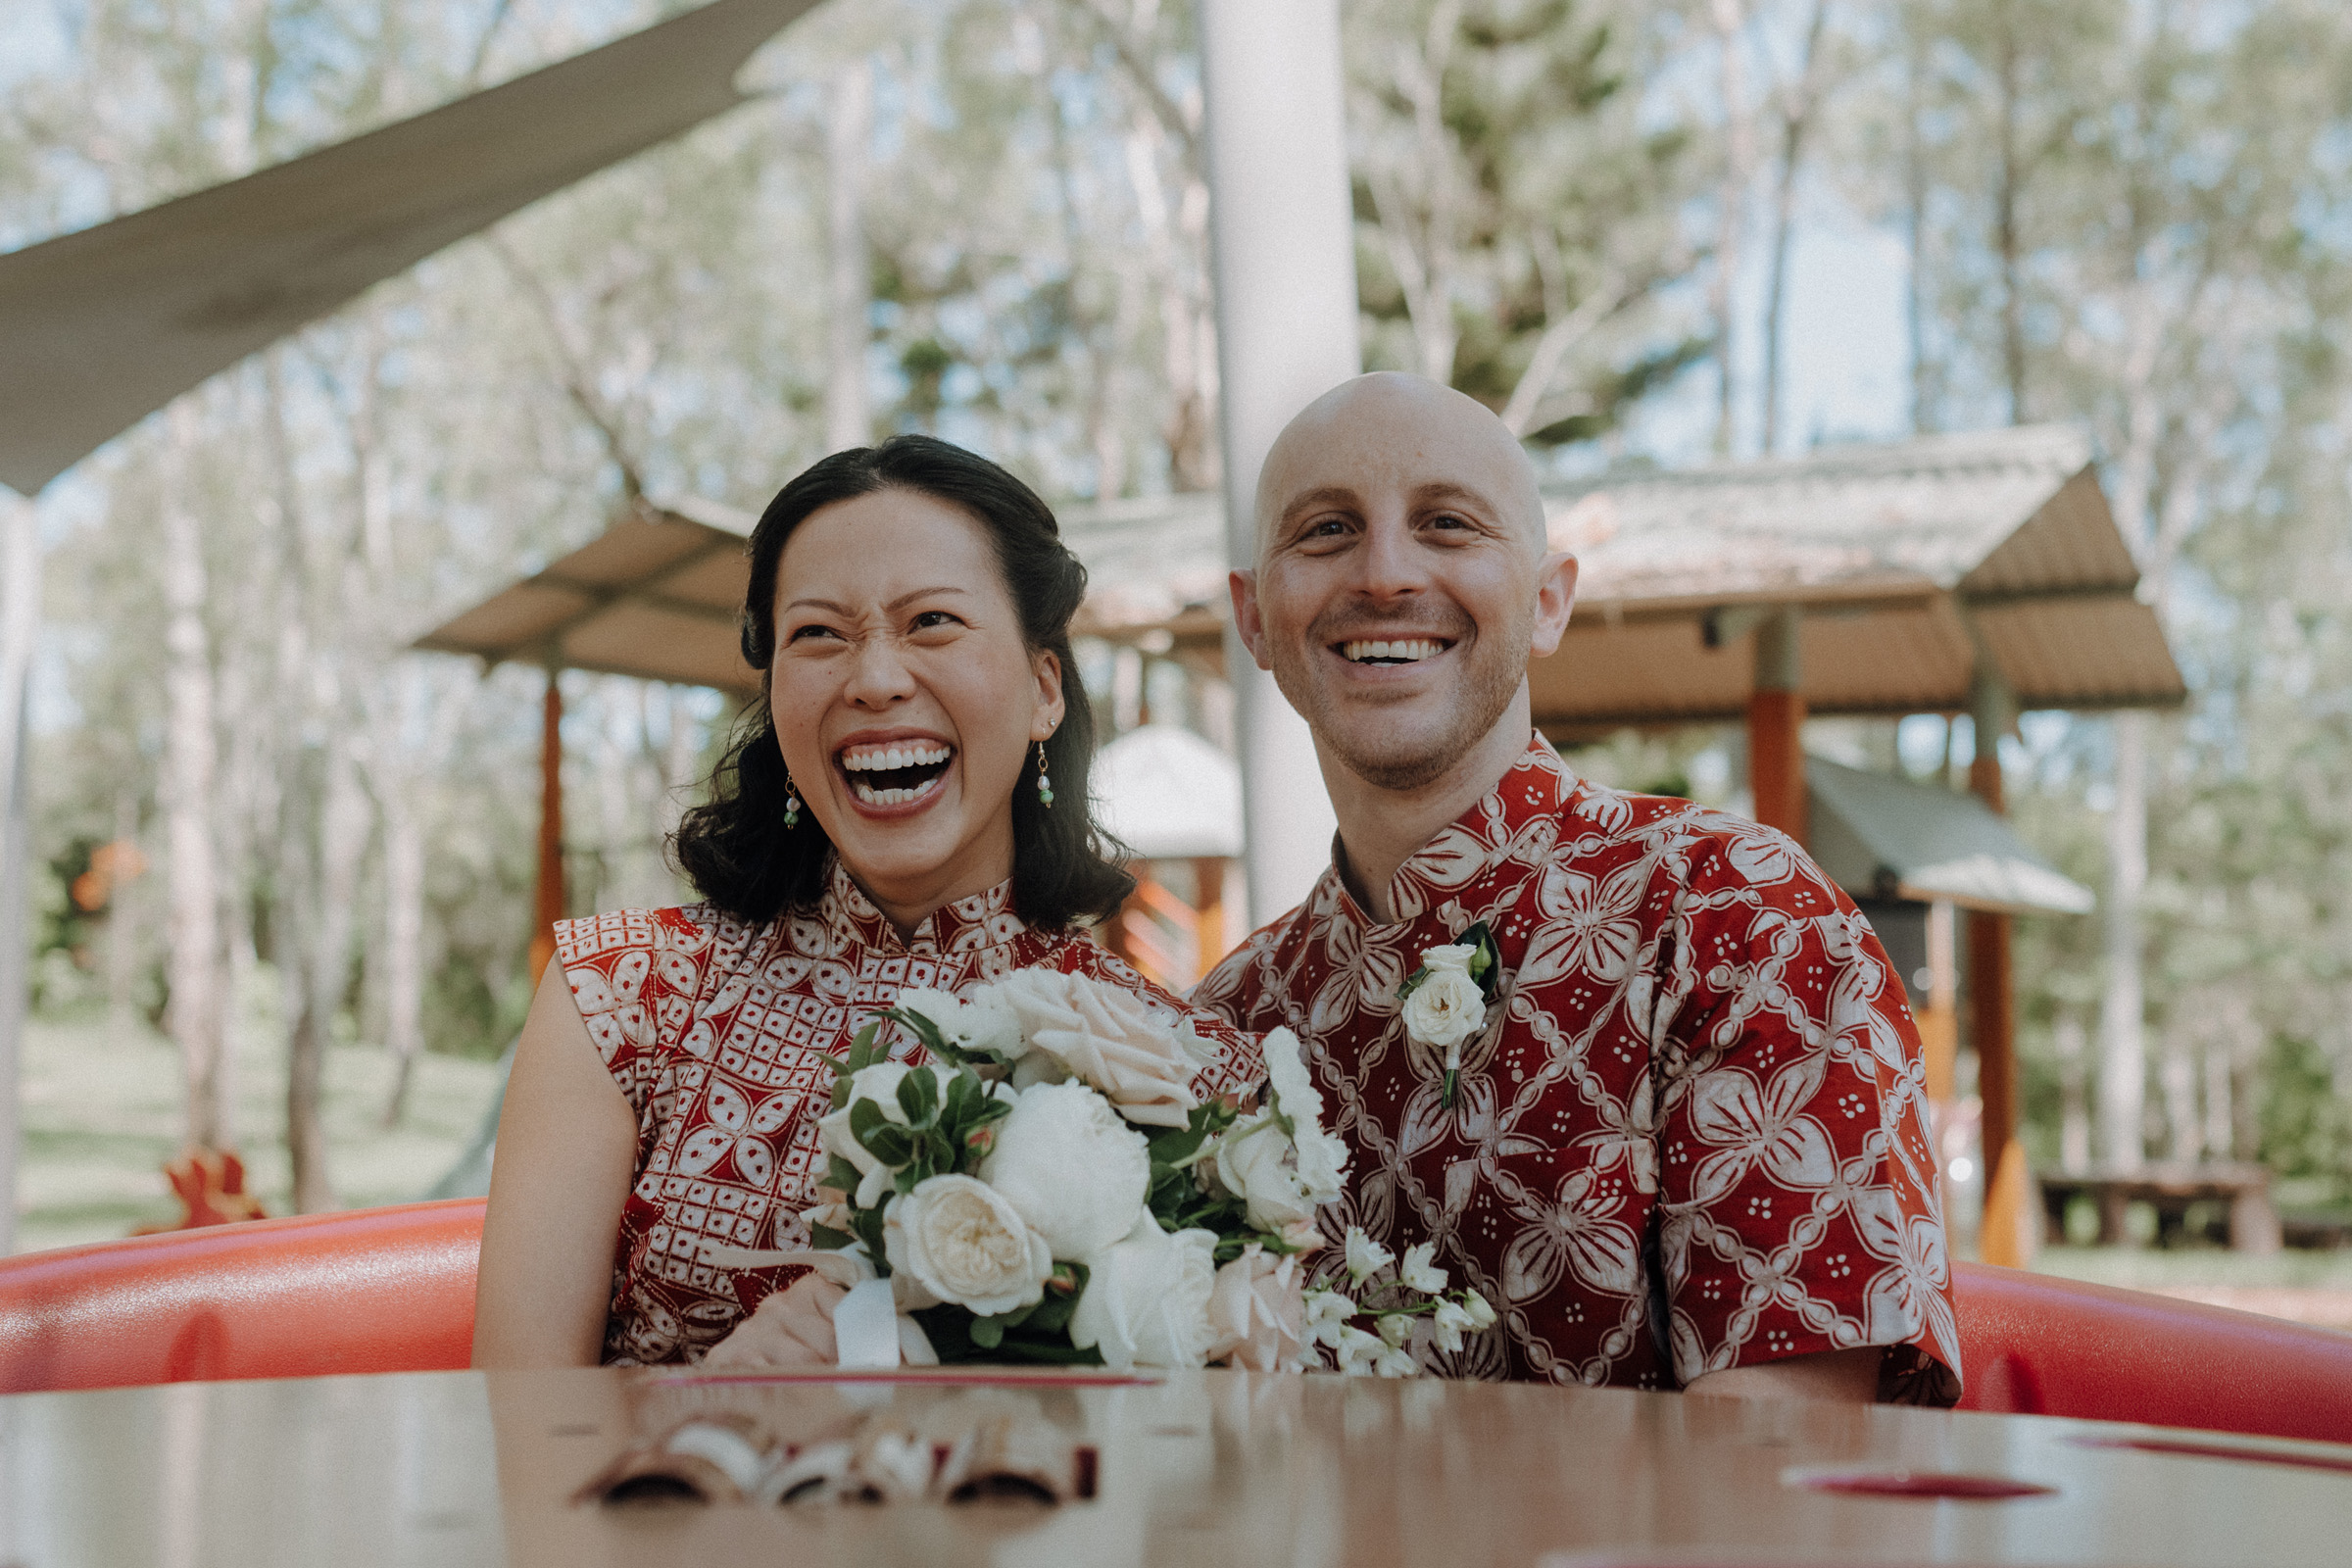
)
(792, 804)
(1045, 785)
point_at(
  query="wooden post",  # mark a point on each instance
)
(550, 827)
(1775, 726)
(1208, 911)
(1939, 1020)
(2002, 1237)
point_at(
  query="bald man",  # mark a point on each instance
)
(1683, 1144)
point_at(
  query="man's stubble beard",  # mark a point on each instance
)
(1406, 764)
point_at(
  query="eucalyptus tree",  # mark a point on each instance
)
(1518, 213)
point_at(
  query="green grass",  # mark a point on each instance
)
(2197, 1268)
(103, 1111)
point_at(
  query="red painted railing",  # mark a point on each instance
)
(391, 1290)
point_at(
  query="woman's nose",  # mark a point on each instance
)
(880, 675)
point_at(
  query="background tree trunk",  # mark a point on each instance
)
(848, 130)
(196, 1012)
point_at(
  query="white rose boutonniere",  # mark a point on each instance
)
(1445, 999)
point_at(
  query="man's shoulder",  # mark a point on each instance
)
(1691, 842)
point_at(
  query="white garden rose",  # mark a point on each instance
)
(1070, 1168)
(1257, 1310)
(1255, 1163)
(965, 1244)
(1445, 1009)
(1147, 1300)
(1105, 1036)
(1322, 1157)
(979, 1021)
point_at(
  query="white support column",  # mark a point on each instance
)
(19, 625)
(1282, 235)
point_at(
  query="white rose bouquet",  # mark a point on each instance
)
(1051, 1190)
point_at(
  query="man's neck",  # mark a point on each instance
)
(1379, 829)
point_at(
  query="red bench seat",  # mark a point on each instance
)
(391, 1290)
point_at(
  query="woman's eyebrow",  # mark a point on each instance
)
(839, 608)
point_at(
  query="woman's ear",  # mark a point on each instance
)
(1050, 705)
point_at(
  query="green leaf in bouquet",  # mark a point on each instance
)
(988, 1333)
(952, 1332)
(1052, 1316)
(867, 1223)
(918, 1097)
(825, 1238)
(940, 1152)
(989, 1109)
(840, 1175)
(863, 1052)
(962, 1092)
(864, 1118)
(889, 1142)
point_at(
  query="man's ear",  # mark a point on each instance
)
(1555, 597)
(1246, 618)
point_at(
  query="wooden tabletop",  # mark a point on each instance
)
(1217, 1469)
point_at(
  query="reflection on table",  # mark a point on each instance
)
(1210, 1468)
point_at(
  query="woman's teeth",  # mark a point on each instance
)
(895, 775)
(880, 758)
(1407, 652)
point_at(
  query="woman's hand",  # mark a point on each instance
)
(792, 1328)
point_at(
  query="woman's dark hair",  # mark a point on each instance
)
(736, 847)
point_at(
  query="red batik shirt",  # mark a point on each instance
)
(717, 1033)
(1692, 1135)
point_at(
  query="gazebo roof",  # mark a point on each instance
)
(100, 327)
(1882, 837)
(658, 595)
(1905, 558)
(1169, 795)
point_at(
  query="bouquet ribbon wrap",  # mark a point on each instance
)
(867, 1330)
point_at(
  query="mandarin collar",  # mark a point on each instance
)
(964, 925)
(1466, 849)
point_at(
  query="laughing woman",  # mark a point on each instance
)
(907, 806)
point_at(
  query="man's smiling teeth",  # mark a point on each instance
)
(882, 759)
(1407, 652)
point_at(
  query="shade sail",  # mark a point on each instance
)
(100, 329)
(659, 595)
(1882, 837)
(1906, 560)
(1169, 795)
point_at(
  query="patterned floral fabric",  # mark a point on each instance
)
(717, 1032)
(1692, 1135)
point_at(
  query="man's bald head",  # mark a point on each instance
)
(1407, 427)
(1402, 581)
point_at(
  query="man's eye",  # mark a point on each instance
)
(1447, 519)
(1325, 528)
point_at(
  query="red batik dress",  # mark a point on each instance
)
(717, 1032)
(1692, 1135)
